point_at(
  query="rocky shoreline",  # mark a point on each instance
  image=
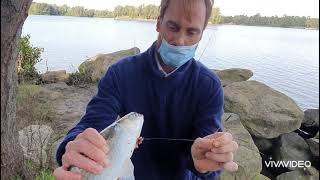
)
(267, 124)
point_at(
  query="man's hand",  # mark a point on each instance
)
(88, 151)
(214, 152)
(139, 141)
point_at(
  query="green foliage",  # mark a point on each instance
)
(78, 78)
(80, 12)
(274, 21)
(152, 12)
(216, 17)
(43, 9)
(28, 57)
(312, 23)
(45, 175)
(32, 170)
(64, 10)
(18, 177)
(141, 12)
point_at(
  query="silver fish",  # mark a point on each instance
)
(122, 136)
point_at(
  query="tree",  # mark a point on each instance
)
(63, 9)
(215, 16)
(28, 57)
(312, 23)
(13, 15)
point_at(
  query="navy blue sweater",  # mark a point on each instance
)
(187, 104)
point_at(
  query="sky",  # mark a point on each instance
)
(227, 7)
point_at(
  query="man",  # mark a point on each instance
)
(178, 96)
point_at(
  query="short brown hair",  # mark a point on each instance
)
(209, 3)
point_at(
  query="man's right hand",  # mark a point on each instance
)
(88, 151)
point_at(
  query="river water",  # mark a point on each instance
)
(283, 58)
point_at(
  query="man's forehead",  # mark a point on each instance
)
(189, 12)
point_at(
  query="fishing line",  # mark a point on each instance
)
(211, 34)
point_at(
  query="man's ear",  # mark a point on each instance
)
(158, 23)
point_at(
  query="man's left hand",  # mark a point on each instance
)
(214, 152)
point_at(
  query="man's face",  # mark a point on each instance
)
(181, 28)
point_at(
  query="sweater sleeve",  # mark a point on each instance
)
(208, 116)
(101, 111)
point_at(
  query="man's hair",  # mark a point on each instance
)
(187, 5)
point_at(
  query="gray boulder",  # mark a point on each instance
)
(55, 76)
(309, 173)
(229, 76)
(314, 146)
(34, 140)
(95, 67)
(247, 156)
(291, 147)
(261, 177)
(264, 111)
(311, 117)
(263, 144)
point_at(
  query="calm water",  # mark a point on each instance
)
(284, 59)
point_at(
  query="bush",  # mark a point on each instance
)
(78, 78)
(28, 57)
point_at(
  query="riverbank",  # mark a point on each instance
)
(127, 18)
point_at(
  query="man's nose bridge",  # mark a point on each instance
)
(180, 38)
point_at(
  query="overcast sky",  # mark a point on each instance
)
(227, 7)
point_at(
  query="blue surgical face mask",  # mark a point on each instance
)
(176, 56)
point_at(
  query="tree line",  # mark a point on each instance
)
(152, 12)
(274, 21)
(64, 10)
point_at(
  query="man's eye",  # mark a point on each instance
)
(192, 33)
(172, 28)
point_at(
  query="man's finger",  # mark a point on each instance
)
(203, 143)
(210, 165)
(231, 147)
(214, 135)
(230, 166)
(75, 159)
(226, 157)
(60, 174)
(220, 138)
(88, 149)
(94, 137)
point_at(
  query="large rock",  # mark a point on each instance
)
(55, 76)
(264, 111)
(292, 147)
(311, 117)
(96, 66)
(310, 124)
(260, 177)
(247, 156)
(264, 144)
(229, 76)
(309, 173)
(314, 146)
(34, 140)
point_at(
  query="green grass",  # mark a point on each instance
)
(45, 175)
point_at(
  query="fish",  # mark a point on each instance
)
(122, 136)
